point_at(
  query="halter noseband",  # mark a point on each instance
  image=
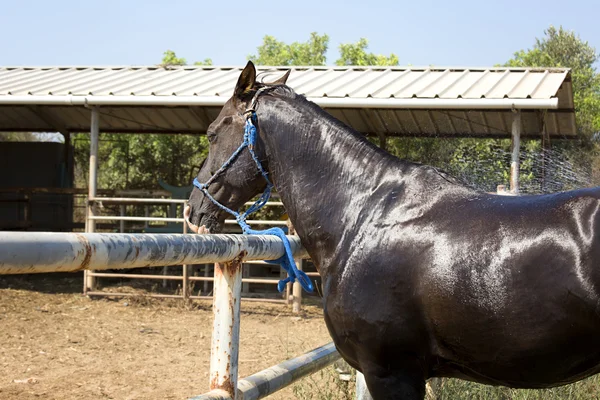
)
(250, 135)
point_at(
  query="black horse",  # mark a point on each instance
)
(422, 276)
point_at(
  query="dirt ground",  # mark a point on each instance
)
(57, 344)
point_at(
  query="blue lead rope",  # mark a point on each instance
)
(287, 260)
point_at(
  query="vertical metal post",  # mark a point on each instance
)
(296, 288)
(226, 326)
(185, 286)
(69, 178)
(146, 214)
(165, 272)
(121, 222)
(297, 291)
(288, 291)
(90, 282)
(27, 209)
(544, 153)
(515, 147)
(206, 274)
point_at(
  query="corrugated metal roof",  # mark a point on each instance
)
(336, 82)
(408, 94)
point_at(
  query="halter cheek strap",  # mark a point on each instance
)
(287, 260)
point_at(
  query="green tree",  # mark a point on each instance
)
(18, 137)
(30, 137)
(137, 161)
(356, 54)
(207, 61)
(275, 52)
(563, 48)
(170, 58)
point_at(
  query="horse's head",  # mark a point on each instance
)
(240, 180)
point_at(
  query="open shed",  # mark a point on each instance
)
(377, 101)
(392, 101)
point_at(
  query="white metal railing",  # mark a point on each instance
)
(180, 220)
(33, 252)
(90, 281)
(133, 200)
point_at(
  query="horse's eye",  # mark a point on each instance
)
(211, 136)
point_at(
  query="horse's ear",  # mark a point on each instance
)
(283, 79)
(246, 81)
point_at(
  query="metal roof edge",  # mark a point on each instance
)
(326, 102)
(292, 67)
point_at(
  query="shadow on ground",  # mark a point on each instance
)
(68, 282)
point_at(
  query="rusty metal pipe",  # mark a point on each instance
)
(42, 252)
(224, 349)
(270, 380)
(515, 152)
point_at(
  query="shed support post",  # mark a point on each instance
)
(516, 148)
(122, 222)
(206, 268)
(146, 214)
(185, 286)
(544, 153)
(90, 281)
(226, 326)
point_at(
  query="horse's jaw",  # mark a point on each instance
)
(195, 228)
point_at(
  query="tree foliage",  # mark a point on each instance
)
(206, 61)
(171, 59)
(275, 52)
(30, 137)
(562, 48)
(356, 54)
(484, 163)
(137, 161)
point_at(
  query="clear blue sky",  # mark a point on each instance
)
(133, 32)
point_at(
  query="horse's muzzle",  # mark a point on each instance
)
(187, 211)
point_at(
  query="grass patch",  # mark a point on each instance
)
(326, 385)
(451, 389)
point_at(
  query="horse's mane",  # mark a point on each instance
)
(285, 92)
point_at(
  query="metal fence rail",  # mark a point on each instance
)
(39, 252)
(272, 379)
(32, 252)
(91, 279)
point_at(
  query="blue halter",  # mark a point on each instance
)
(287, 260)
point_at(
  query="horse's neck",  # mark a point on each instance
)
(319, 168)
